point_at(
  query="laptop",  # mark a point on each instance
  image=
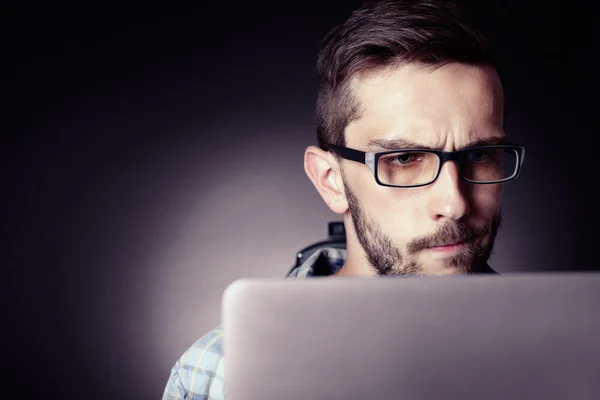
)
(516, 336)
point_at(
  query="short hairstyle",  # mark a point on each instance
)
(390, 33)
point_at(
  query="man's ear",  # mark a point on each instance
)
(324, 172)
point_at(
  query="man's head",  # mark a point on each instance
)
(398, 75)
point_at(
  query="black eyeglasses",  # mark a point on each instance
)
(420, 167)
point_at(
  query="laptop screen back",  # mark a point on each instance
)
(534, 336)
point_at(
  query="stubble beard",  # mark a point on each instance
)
(386, 259)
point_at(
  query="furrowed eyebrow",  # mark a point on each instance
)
(493, 141)
(396, 144)
(403, 144)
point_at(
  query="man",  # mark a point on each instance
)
(412, 154)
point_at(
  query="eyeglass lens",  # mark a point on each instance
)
(407, 168)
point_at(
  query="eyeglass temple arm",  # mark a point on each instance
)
(349, 154)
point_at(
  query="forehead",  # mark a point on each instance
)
(440, 107)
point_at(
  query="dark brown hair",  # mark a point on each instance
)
(389, 33)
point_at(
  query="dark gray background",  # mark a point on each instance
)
(150, 161)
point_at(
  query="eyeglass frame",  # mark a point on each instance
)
(371, 160)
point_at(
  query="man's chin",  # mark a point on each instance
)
(443, 270)
(446, 266)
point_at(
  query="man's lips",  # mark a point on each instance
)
(452, 246)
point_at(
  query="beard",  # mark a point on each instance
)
(388, 260)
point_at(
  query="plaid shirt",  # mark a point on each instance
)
(198, 374)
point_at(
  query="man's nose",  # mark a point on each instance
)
(447, 197)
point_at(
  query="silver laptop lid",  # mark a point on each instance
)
(525, 336)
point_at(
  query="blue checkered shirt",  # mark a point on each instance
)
(198, 374)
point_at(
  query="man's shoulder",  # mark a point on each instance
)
(210, 343)
(198, 374)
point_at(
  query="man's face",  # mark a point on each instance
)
(412, 230)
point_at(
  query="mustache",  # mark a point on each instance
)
(449, 234)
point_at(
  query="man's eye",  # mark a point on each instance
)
(404, 158)
(481, 155)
